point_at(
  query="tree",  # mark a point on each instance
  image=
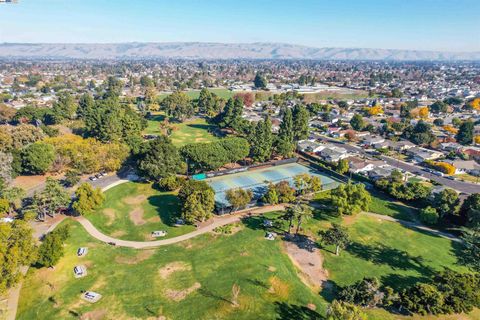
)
(37, 158)
(301, 117)
(64, 108)
(470, 253)
(111, 121)
(446, 203)
(337, 236)
(340, 310)
(198, 201)
(87, 199)
(260, 82)
(351, 198)
(285, 143)
(429, 215)
(342, 166)
(439, 107)
(421, 134)
(465, 133)
(17, 249)
(303, 212)
(6, 113)
(460, 290)
(206, 102)
(286, 194)
(51, 249)
(271, 196)
(86, 104)
(470, 211)
(305, 183)
(178, 105)
(423, 299)
(159, 159)
(357, 122)
(239, 198)
(366, 293)
(261, 141)
(51, 199)
(71, 178)
(6, 170)
(236, 148)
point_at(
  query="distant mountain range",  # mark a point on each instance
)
(197, 50)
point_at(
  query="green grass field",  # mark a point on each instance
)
(133, 210)
(154, 283)
(137, 284)
(191, 131)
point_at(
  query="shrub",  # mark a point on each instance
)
(429, 215)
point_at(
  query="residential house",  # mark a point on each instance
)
(464, 166)
(422, 154)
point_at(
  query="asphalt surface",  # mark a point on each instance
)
(464, 187)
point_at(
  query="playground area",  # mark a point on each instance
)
(257, 180)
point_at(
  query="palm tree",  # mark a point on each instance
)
(303, 212)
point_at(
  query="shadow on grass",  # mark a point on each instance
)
(201, 126)
(400, 282)
(209, 294)
(167, 206)
(329, 290)
(395, 258)
(286, 311)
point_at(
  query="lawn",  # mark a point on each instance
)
(191, 131)
(191, 280)
(133, 210)
(137, 284)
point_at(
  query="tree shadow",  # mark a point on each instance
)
(287, 311)
(167, 206)
(209, 294)
(400, 282)
(258, 283)
(302, 242)
(395, 258)
(207, 127)
(329, 290)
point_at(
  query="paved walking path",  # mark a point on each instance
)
(217, 222)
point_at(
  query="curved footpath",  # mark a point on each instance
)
(217, 222)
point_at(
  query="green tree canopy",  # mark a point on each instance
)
(465, 133)
(178, 105)
(160, 158)
(337, 236)
(350, 198)
(37, 158)
(87, 198)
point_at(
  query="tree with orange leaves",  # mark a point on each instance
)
(423, 112)
(375, 110)
(475, 104)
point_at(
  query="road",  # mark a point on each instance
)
(464, 187)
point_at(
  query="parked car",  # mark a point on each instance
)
(79, 271)
(93, 178)
(160, 233)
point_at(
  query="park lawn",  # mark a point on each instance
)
(134, 284)
(190, 131)
(193, 131)
(133, 210)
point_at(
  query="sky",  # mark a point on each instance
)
(443, 25)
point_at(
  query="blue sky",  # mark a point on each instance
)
(447, 25)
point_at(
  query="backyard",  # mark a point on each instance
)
(133, 210)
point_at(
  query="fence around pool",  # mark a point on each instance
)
(258, 180)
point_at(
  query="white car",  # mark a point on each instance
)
(270, 236)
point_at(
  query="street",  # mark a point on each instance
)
(460, 186)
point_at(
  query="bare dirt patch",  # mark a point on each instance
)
(349, 220)
(307, 258)
(311, 306)
(272, 269)
(94, 315)
(110, 214)
(172, 267)
(179, 295)
(136, 215)
(141, 256)
(135, 200)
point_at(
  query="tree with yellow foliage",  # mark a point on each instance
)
(375, 110)
(423, 112)
(475, 104)
(450, 129)
(444, 167)
(476, 139)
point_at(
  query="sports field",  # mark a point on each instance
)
(258, 180)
